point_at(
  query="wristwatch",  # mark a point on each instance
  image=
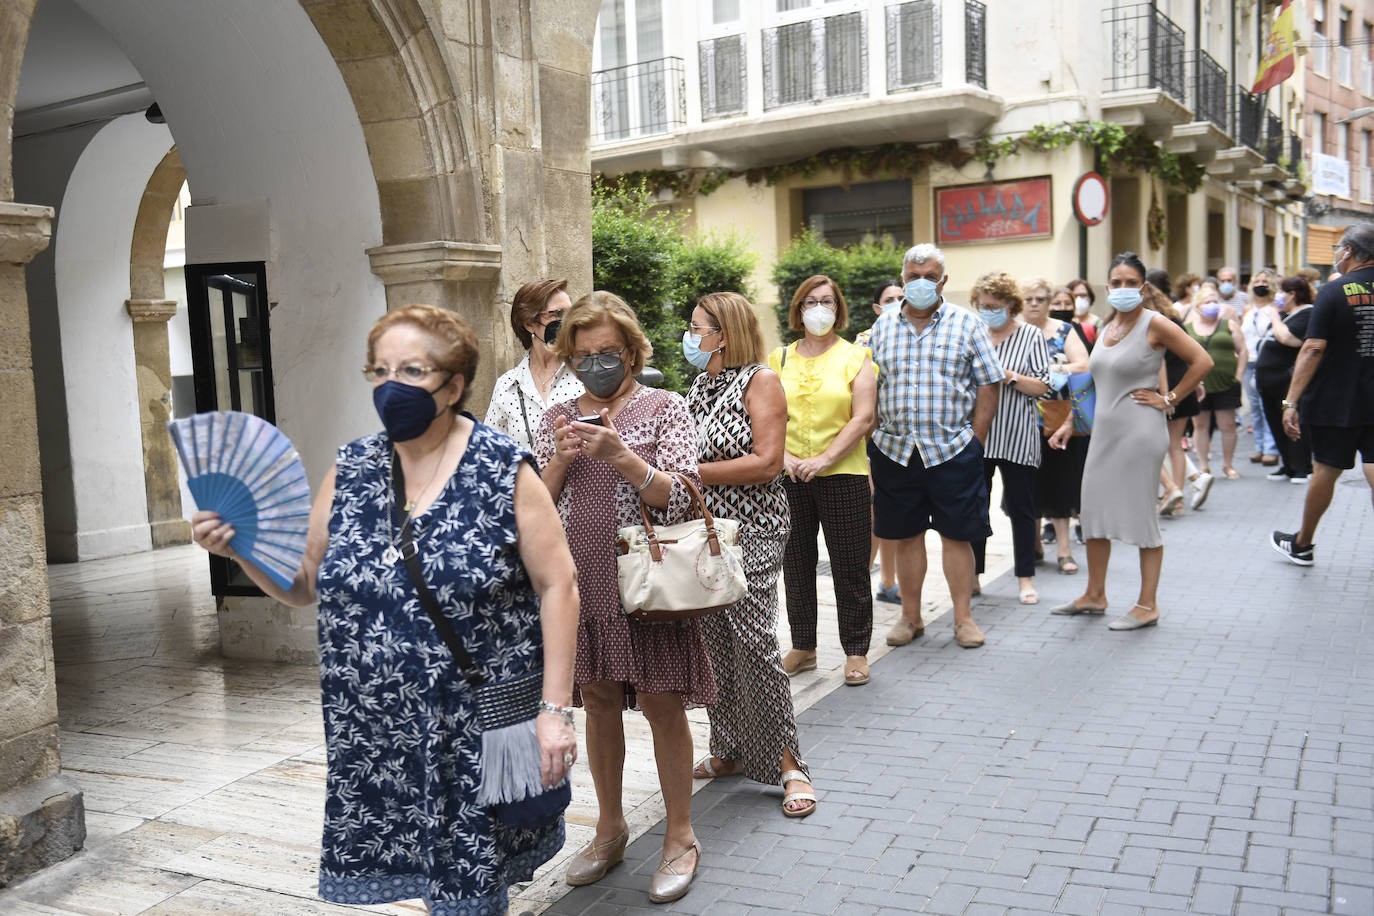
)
(1013, 380)
(1289, 405)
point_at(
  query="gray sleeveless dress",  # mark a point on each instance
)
(1129, 440)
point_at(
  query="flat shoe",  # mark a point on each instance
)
(904, 631)
(589, 866)
(1073, 610)
(1232, 473)
(667, 886)
(967, 635)
(889, 595)
(798, 660)
(704, 769)
(856, 671)
(1171, 502)
(1028, 596)
(1067, 566)
(1127, 622)
(797, 776)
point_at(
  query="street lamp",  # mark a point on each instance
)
(1355, 115)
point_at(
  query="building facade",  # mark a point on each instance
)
(697, 87)
(1339, 72)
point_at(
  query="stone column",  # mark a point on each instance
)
(42, 820)
(154, 366)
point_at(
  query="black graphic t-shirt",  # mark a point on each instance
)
(1342, 389)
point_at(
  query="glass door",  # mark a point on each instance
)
(231, 359)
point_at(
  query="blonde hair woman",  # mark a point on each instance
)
(598, 471)
(832, 397)
(741, 415)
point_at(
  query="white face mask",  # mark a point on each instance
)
(1081, 304)
(818, 320)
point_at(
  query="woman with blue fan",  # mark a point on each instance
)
(440, 785)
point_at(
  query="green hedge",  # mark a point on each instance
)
(858, 269)
(641, 253)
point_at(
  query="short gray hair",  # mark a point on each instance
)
(1359, 238)
(919, 254)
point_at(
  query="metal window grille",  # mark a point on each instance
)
(976, 43)
(1147, 50)
(1209, 91)
(815, 59)
(1273, 137)
(723, 80)
(913, 45)
(1249, 118)
(1294, 153)
(639, 100)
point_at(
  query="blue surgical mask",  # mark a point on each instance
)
(1210, 310)
(692, 352)
(922, 293)
(405, 410)
(1124, 299)
(892, 305)
(993, 318)
(1227, 289)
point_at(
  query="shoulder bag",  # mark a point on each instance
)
(680, 571)
(512, 782)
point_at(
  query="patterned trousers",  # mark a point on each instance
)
(841, 506)
(753, 720)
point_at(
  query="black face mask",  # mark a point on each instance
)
(1261, 291)
(1062, 314)
(551, 332)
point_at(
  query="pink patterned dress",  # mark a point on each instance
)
(596, 501)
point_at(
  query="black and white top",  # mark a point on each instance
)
(1015, 434)
(516, 407)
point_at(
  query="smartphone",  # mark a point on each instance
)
(591, 419)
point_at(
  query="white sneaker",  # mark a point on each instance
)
(1277, 475)
(1203, 486)
(1300, 481)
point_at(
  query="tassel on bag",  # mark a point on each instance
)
(510, 749)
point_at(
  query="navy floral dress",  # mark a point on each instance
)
(401, 818)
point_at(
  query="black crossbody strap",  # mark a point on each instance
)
(529, 433)
(411, 554)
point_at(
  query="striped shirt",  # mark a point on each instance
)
(1015, 434)
(928, 382)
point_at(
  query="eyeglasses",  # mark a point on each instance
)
(702, 330)
(828, 302)
(590, 361)
(1337, 249)
(409, 374)
(551, 315)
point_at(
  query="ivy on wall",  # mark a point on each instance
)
(1116, 146)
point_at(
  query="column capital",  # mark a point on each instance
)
(25, 230)
(150, 309)
(419, 262)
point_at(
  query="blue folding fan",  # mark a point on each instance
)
(242, 467)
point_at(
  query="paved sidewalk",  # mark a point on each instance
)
(1220, 763)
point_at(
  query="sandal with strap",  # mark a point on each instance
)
(1067, 566)
(795, 661)
(797, 776)
(856, 670)
(705, 769)
(667, 883)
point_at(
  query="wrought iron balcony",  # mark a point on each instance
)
(815, 59)
(1209, 91)
(1148, 51)
(1294, 153)
(1273, 138)
(976, 43)
(1249, 118)
(724, 85)
(639, 100)
(913, 45)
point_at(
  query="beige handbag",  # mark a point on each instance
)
(680, 571)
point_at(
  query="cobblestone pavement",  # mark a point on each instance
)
(1222, 762)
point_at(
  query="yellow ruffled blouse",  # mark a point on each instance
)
(820, 395)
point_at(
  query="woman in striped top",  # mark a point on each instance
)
(1013, 445)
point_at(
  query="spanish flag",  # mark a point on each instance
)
(1279, 52)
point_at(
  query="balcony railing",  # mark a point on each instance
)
(913, 45)
(639, 100)
(1249, 118)
(1147, 51)
(976, 43)
(1273, 138)
(1209, 91)
(723, 82)
(1294, 153)
(815, 59)
(1345, 66)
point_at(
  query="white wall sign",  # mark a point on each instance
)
(1330, 175)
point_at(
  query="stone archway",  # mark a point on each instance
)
(150, 312)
